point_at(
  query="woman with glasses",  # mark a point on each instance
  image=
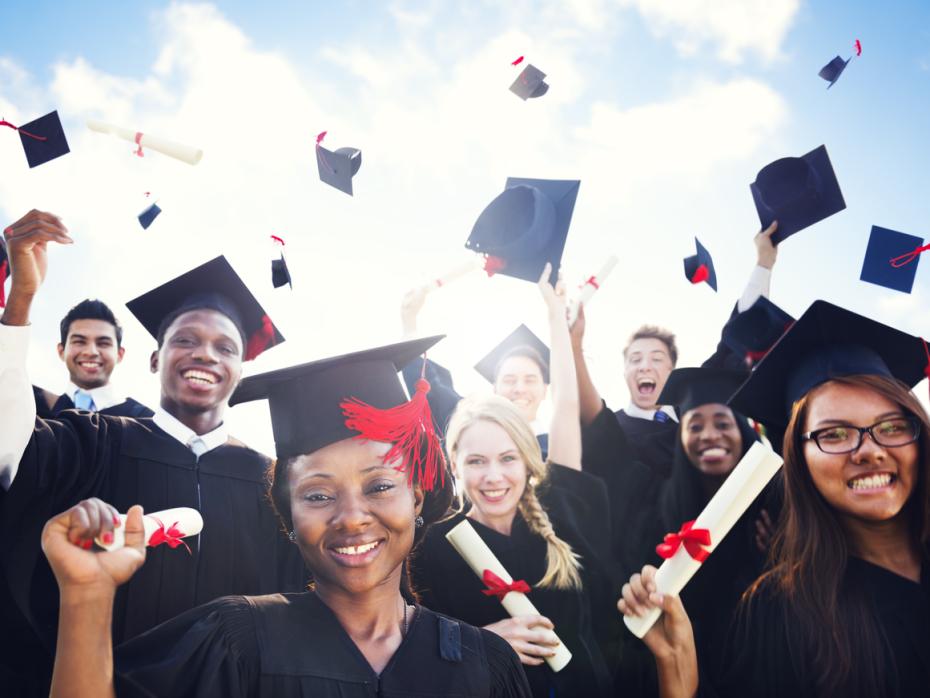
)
(845, 608)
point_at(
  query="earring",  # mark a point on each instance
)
(292, 537)
(418, 522)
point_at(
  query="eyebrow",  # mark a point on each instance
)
(196, 326)
(329, 476)
(847, 423)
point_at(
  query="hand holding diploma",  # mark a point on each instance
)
(184, 153)
(589, 288)
(168, 527)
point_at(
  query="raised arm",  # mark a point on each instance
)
(26, 242)
(565, 429)
(589, 399)
(761, 276)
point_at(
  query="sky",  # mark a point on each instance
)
(664, 111)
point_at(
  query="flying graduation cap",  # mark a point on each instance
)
(148, 216)
(521, 342)
(700, 267)
(279, 272)
(753, 332)
(525, 226)
(42, 139)
(891, 259)
(337, 167)
(797, 192)
(530, 83)
(831, 71)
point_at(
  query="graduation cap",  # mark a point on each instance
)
(700, 267)
(797, 192)
(357, 395)
(520, 342)
(279, 273)
(4, 271)
(337, 168)
(43, 139)
(530, 83)
(831, 71)
(687, 388)
(214, 285)
(891, 259)
(827, 342)
(525, 226)
(754, 331)
(148, 216)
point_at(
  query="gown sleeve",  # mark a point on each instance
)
(441, 397)
(508, 679)
(210, 652)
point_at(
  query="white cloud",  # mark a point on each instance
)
(733, 27)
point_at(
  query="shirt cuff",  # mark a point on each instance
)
(759, 282)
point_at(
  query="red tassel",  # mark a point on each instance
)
(700, 275)
(3, 269)
(260, 340)
(493, 264)
(858, 47)
(409, 428)
(4, 122)
(518, 61)
(320, 136)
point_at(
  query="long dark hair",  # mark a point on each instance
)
(833, 625)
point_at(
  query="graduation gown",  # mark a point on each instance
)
(759, 662)
(292, 645)
(126, 408)
(586, 620)
(124, 462)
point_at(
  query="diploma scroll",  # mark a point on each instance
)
(455, 273)
(479, 557)
(737, 492)
(163, 527)
(185, 153)
(589, 287)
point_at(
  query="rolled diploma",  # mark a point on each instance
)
(588, 290)
(189, 523)
(456, 273)
(185, 153)
(737, 492)
(479, 557)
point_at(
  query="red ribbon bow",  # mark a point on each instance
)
(139, 152)
(692, 538)
(493, 264)
(499, 588)
(172, 537)
(592, 281)
(4, 122)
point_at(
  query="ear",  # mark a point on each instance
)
(120, 353)
(61, 351)
(418, 499)
(153, 362)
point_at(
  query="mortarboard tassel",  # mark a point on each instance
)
(518, 61)
(260, 340)
(858, 47)
(702, 273)
(410, 431)
(908, 257)
(4, 122)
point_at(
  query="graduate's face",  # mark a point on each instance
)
(489, 468)
(200, 360)
(711, 439)
(90, 352)
(872, 483)
(646, 369)
(353, 514)
(520, 380)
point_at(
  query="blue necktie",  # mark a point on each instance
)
(660, 416)
(84, 401)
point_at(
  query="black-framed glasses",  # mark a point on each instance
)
(890, 433)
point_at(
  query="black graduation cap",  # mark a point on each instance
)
(308, 401)
(826, 342)
(148, 216)
(279, 273)
(700, 267)
(42, 139)
(521, 341)
(831, 71)
(337, 168)
(754, 331)
(888, 260)
(530, 83)
(215, 285)
(687, 388)
(526, 226)
(797, 192)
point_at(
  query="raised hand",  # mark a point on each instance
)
(26, 242)
(766, 251)
(531, 637)
(553, 297)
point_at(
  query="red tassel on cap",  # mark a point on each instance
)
(700, 275)
(409, 428)
(260, 340)
(518, 61)
(4, 122)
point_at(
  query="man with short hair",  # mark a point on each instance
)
(91, 346)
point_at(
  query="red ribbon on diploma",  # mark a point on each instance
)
(139, 152)
(592, 281)
(4, 122)
(172, 537)
(493, 264)
(499, 588)
(692, 538)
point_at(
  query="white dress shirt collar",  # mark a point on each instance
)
(104, 396)
(639, 413)
(172, 426)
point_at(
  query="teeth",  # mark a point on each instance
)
(870, 482)
(89, 363)
(715, 452)
(199, 376)
(358, 549)
(494, 493)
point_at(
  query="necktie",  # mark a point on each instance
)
(660, 416)
(84, 401)
(197, 446)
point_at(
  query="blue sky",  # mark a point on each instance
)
(664, 111)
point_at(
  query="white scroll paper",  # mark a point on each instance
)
(479, 557)
(737, 492)
(184, 153)
(588, 289)
(456, 273)
(181, 522)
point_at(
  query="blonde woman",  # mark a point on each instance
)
(542, 519)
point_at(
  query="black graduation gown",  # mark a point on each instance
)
(759, 663)
(292, 645)
(585, 620)
(127, 408)
(124, 462)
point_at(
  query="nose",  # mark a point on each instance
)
(205, 353)
(352, 513)
(868, 449)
